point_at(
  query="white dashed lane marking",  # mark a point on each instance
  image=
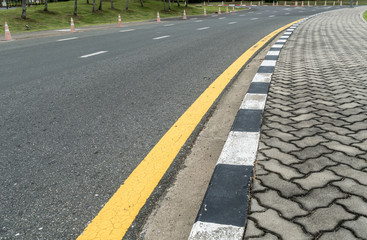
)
(272, 16)
(157, 38)
(67, 39)
(168, 25)
(203, 28)
(93, 54)
(232, 22)
(198, 21)
(127, 30)
(222, 18)
(253, 19)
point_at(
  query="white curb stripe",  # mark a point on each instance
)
(262, 77)
(273, 53)
(240, 148)
(206, 230)
(254, 101)
(277, 46)
(268, 63)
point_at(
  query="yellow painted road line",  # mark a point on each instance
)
(116, 216)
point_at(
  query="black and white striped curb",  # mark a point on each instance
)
(223, 212)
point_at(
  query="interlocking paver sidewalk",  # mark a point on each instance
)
(311, 170)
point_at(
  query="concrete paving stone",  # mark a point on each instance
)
(337, 146)
(317, 179)
(325, 103)
(333, 115)
(259, 170)
(349, 105)
(304, 110)
(355, 118)
(355, 204)
(284, 136)
(255, 206)
(312, 152)
(341, 233)
(305, 132)
(320, 197)
(287, 208)
(283, 157)
(357, 126)
(281, 127)
(257, 187)
(362, 145)
(252, 230)
(354, 162)
(286, 188)
(276, 166)
(324, 219)
(305, 124)
(310, 141)
(277, 143)
(313, 165)
(339, 137)
(275, 118)
(280, 113)
(352, 187)
(305, 117)
(349, 172)
(270, 220)
(334, 122)
(360, 135)
(359, 227)
(280, 108)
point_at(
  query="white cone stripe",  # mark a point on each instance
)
(206, 230)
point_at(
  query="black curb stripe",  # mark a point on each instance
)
(247, 120)
(275, 49)
(226, 199)
(259, 87)
(266, 69)
(271, 57)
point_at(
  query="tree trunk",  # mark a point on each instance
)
(186, 2)
(76, 8)
(100, 5)
(141, 3)
(46, 6)
(87, 1)
(24, 9)
(127, 5)
(112, 4)
(164, 5)
(94, 6)
(178, 3)
(169, 4)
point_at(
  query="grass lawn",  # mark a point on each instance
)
(365, 15)
(59, 13)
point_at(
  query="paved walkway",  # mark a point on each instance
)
(311, 170)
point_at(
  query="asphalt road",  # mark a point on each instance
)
(72, 129)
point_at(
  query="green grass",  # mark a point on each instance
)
(365, 15)
(59, 14)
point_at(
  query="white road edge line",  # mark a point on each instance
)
(232, 22)
(67, 39)
(203, 28)
(272, 16)
(166, 36)
(253, 19)
(93, 54)
(167, 25)
(198, 21)
(127, 30)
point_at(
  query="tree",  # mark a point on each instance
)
(100, 5)
(164, 5)
(178, 3)
(169, 4)
(112, 4)
(127, 5)
(76, 8)
(87, 1)
(24, 9)
(94, 6)
(46, 6)
(141, 3)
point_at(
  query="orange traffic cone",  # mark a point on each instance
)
(302, 4)
(204, 3)
(119, 22)
(219, 12)
(241, 3)
(227, 10)
(72, 27)
(334, 3)
(356, 3)
(308, 3)
(325, 3)
(315, 3)
(258, 4)
(341, 3)
(184, 15)
(222, 3)
(205, 12)
(251, 3)
(7, 33)
(233, 9)
(158, 18)
(285, 3)
(273, 3)
(296, 3)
